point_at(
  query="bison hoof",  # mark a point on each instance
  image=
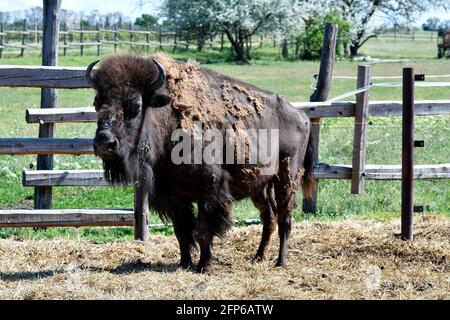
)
(281, 264)
(203, 268)
(260, 258)
(187, 265)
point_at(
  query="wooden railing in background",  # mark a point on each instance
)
(62, 77)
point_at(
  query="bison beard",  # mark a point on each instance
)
(117, 172)
(141, 107)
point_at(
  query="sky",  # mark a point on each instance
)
(131, 9)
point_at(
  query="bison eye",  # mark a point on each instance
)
(131, 108)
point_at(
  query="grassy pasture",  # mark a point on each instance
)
(292, 80)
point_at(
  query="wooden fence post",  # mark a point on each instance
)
(147, 39)
(131, 36)
(36, 35)
(175, 41)
(321, 94)
(1, 38)
(23, 43)
(360, 132)
(160, 38)
(81, 38)
(116, 38)
(140, 214)
(65, 39)
(49, 97)
(99, 39)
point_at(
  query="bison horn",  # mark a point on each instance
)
(161, 77)
(89, 72)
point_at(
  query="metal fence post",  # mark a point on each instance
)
(407, 154)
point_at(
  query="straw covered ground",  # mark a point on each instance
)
(328, 260)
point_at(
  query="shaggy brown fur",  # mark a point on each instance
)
(198, 100)
(125, 71)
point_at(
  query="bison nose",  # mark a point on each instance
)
(104, 143)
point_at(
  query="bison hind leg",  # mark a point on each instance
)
(285, 192)
(265, 203)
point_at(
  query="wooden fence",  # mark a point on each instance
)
(80, 39)
(20, 41)
(412, 35)
(72, 78)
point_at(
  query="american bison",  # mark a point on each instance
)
(141, 102)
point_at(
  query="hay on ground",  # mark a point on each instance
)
(327, 260)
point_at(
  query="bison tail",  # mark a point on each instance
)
(308, 181)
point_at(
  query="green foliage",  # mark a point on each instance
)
(310, 41)
(146, 20)
(86, 24)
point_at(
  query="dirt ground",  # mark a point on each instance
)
(327, 260)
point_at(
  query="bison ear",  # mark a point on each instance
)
(159, 100)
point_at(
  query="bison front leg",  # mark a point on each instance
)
(141, 194)
(263, 201)
(214, 219)
(183, 224)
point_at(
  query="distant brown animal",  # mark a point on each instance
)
(140, 103)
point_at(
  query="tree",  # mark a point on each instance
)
(361, 12)
(86, 24)
(311, 38)
(432, 24)
(443, 26)
(238, 20)
(190, 16)
(34, 17)
(146, 20)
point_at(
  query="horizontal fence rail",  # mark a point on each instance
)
(65, 217)
(13, 146)
(39, 178)
(382, 172)
(56, 115)
(376, 108)
(43, 77)
(33, 178)
(334, 109)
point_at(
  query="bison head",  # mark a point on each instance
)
(126, 85)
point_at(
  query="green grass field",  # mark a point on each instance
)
(292, 80)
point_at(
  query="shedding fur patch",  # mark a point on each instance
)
(193, 96)
(240, 139)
